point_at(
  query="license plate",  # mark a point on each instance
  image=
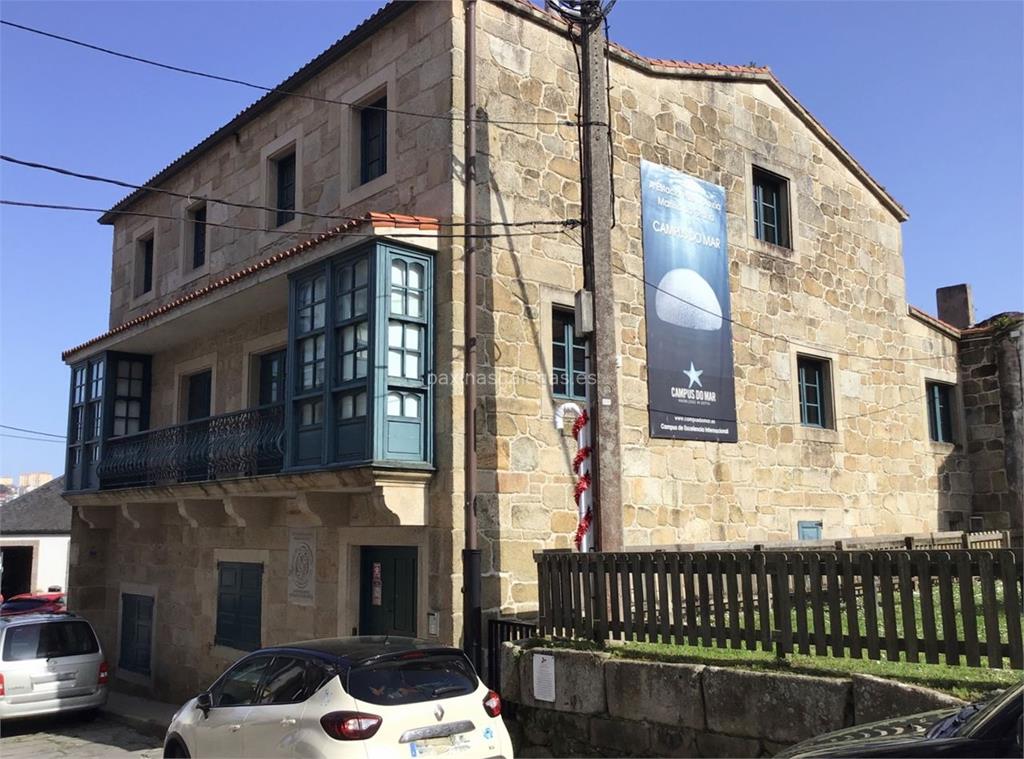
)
(440, 746)
(64, 676)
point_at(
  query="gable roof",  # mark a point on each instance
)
(394, 8)
(42, 511)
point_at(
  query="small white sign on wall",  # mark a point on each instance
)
(301, 565)
(543, 677)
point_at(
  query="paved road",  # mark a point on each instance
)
(74, 737)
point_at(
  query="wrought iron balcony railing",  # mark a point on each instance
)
(228, 446)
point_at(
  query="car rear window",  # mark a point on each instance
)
(47, 640)
(413, 680)
(24, 604)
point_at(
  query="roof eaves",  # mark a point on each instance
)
(367, 27)
(937, 324)
(378, 221)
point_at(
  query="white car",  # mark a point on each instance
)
(359, 697)
(50, 663)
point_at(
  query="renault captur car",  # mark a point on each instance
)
(365, 697)
(988, 728)
(50, 663)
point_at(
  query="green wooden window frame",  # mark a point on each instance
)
(373, 140)
(285, 180)
(374, 403)
(568, 357)
(940, 412)
(136, 633)
(239, 605)
(771, 207)
(815, 394)
(197, 221)
(129, 396)
(85, 423)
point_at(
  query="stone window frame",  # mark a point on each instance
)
(242, 556)
(186, 272)
(351, 541)
(833, 434)
(184, 370)
(755, 160)
(372, 88)
(958, 411)
(288, 142)
(552, 297)
(251, 352)
(147, 231)
(137, 678)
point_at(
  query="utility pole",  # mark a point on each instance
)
(597, 280)
(471, 595)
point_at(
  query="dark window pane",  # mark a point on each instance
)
(286, 682)
(771, 212)
(813, 392)
(272, 378)
(200, 389)
(198, 237)
(940, 412)
(285, 200)
(49, 640)
(414, 681)
(146, 266)
(238, 688)
(373, 123)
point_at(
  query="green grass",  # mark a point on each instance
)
(958, 615)
(963, 682)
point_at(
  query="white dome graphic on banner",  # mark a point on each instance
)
(684, 298)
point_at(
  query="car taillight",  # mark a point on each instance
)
(492, 704)
(2, 690)
(350, 726)
(104, 673)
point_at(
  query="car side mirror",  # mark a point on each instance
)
(204, 701)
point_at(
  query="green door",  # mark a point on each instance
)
(387, 591)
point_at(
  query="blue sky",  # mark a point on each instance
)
(927, 96)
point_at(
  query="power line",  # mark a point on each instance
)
(398, 234)
(33, 432)
(251, 206)
(838, 352)
(33, 439)
(275, 90)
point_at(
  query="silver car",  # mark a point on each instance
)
(50, 663)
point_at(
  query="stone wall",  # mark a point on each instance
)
(990, 376)
(607, 706)
(838, 293)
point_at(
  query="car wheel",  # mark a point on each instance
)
(176, 749)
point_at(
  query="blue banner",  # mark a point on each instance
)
(691, 393)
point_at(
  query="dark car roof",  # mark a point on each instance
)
(363, 649)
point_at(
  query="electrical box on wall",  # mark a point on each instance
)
(433, 624)
(584, 312)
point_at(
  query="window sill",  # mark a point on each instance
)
(771, 249)
(141, 300)
(192, 275)
(817, 434)
(363, 191)
(942, 449)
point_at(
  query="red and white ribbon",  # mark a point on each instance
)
(584, 538)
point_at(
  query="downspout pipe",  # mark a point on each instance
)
(471, 595)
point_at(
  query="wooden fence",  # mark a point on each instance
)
(960, 606)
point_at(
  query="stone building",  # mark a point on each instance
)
(255, 458)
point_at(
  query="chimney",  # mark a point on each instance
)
(956, 306)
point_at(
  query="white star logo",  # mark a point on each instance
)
(694, 375)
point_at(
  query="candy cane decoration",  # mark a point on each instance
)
(581, 468)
